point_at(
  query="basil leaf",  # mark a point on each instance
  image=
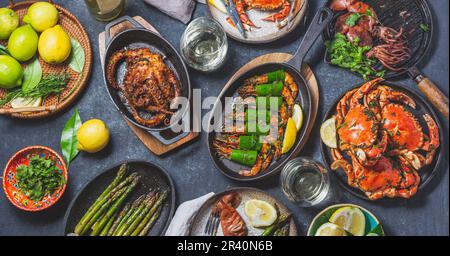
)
(352, 19)
(3, 50)
(32, 75)
(77, 56)
(69, 140)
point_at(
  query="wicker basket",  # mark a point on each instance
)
(77, 81)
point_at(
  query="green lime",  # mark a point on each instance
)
(23, 42)
(10, 72)
(9, 21)
(41, 16)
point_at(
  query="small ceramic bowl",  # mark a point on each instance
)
(10, 186)
(373, 225)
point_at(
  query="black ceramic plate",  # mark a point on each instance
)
(426, 173)
(230, 168)
(152, 176)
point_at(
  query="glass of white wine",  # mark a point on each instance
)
(204, 44)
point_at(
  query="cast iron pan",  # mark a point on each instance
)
(416, 13)
(152, 176)
(141, 37)
(200, 219)
(426, 173)
(293, 67)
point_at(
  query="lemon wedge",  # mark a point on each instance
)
(20, 102)
(372, 234)
(260, 213)
(350, 219)
(289, 136)
(328, 132)
(330, 229)
(297, 116)
(218, 4)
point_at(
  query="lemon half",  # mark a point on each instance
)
(328, 132)
(330, 229)
(260, 213)
(350, 219)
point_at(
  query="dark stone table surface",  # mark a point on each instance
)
(191, 167)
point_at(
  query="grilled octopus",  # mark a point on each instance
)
(149, 85)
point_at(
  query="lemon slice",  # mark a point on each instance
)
(260, 213)
(20, 102)
(289, 136)
(350, 219)
(328, 132)
(330, 229)
(372, 234)
(218, 4)
(297, 116)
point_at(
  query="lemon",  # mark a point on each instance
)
(297, 116)
(260, 213)
(92, 136)
(350, 219)
(22, 43)
(20, 102)
(218, 4)
(8, 22)
(289, 136)
(372, 234)
(11, 72)
(41, 16)
(328, 132)
(330, 229)
(54, 45)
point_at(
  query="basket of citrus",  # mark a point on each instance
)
(45, 59)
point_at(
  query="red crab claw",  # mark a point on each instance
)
(283, 13)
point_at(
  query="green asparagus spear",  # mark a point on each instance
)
(151, 216)
(151, 200)
(106, 203)
(133, 208)
(108, 225)
(130, 220)
(279, 223)
(116, 205)
(121, 215)
(95, 206)
(125, 182)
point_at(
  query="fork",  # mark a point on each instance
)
(212, 225)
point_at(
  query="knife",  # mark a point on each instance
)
(231, 10)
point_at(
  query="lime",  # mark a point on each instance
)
(350, 219)
(41, 16)
(22, 43)
(260, 213)
(297, 116)
(54, 45)
(330, 229)
(289, 136)
(10, 72)
(328, 132)
(93, 136)
(8, 21)
(20, 102)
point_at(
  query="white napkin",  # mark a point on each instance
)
(179, 226)
(179, 9)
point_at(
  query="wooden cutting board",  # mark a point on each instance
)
(307, 73)
(153, 144)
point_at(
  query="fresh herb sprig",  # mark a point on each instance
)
(52, 83)
(40, 178)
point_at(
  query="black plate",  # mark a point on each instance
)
(231, 169)
(152, 176)
(388, 12)
(426, 173)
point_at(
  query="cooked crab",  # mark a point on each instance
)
(242, 6)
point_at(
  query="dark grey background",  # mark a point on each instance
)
(191, 167)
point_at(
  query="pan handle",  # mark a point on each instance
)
(320, 21)
(118, 21)
(431, 91)
(165, 141)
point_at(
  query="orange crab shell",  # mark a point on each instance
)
(403, 127)
(380, 177)
(265, 4)
(359, 127)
